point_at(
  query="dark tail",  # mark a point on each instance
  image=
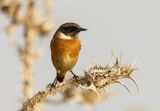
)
(60, 76)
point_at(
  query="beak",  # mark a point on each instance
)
(82, 29)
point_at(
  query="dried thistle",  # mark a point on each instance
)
(93, 82)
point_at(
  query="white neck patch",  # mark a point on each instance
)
(63, 36)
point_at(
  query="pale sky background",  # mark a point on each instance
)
(129, 25)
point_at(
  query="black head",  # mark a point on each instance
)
(71, 29)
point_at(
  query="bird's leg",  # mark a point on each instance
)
(76, 77)
(54, 83)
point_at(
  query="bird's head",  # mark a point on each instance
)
(70, 30)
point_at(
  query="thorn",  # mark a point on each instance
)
(109, 63)
(124, 86)
(120, 56)
(135, 84)
(118, 59)
(90, 65)
(93, 88)
(127, 65)
(96, 63)
(86, 73)
(101, 67)
(134, 62)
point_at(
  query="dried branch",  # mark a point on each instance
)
(95, 79)
(34, 26)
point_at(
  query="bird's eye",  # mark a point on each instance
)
(71, 29)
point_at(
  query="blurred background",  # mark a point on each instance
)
(131, 26)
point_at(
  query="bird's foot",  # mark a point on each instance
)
(53, 85)
(75, 76)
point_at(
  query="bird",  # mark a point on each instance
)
(65, 46)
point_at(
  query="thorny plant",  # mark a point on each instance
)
(24, 13)
(93, 82)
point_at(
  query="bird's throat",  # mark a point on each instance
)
(67, 37)
(63, 36)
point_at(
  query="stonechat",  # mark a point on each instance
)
(65, 46)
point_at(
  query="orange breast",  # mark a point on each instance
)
(64, 53)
